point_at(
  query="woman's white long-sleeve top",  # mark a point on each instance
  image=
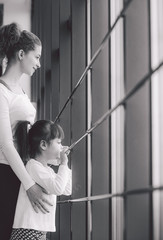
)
(14, 108)
(55, 184)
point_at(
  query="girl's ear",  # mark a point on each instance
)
(43, 145)
(21, 54)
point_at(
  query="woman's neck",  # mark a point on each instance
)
(12, 75)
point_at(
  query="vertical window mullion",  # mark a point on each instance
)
(156, 89)
(150, 126)
(89, 122)
(117, 123)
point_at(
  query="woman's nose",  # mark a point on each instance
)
(38, 65)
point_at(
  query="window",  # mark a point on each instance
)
(105, 90)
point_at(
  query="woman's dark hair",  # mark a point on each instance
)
(12, 39)
(28, 142)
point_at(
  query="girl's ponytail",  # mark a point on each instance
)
(21, 137)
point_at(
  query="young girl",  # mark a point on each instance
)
(44, 143)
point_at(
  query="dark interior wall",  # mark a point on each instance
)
(78, 115)
(62, 30)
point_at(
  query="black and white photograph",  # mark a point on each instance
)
(81, 119)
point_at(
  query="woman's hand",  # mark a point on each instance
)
(36, 197)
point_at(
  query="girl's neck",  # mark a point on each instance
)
(42, 160)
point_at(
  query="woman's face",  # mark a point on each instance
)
(31, 60)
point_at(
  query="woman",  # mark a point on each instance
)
(22, 49)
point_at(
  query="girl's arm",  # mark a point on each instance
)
(48, 179)
(64, 160)
(68, 188)
(58, 184)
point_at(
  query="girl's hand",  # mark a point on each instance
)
(37, 199)
(63, 155)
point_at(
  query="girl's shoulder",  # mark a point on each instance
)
(33, 164)
(36, 168)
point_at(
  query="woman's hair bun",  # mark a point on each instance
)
(9, 36)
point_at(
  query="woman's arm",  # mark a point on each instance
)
(11, 154)
(7, 146)
(37, 198)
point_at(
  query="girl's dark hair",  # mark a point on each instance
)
(28, 144)
(12, 39)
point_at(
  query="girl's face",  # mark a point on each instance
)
(31, 60)
(54, 149)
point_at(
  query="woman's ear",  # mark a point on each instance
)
(43, 145)
(21, 54)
